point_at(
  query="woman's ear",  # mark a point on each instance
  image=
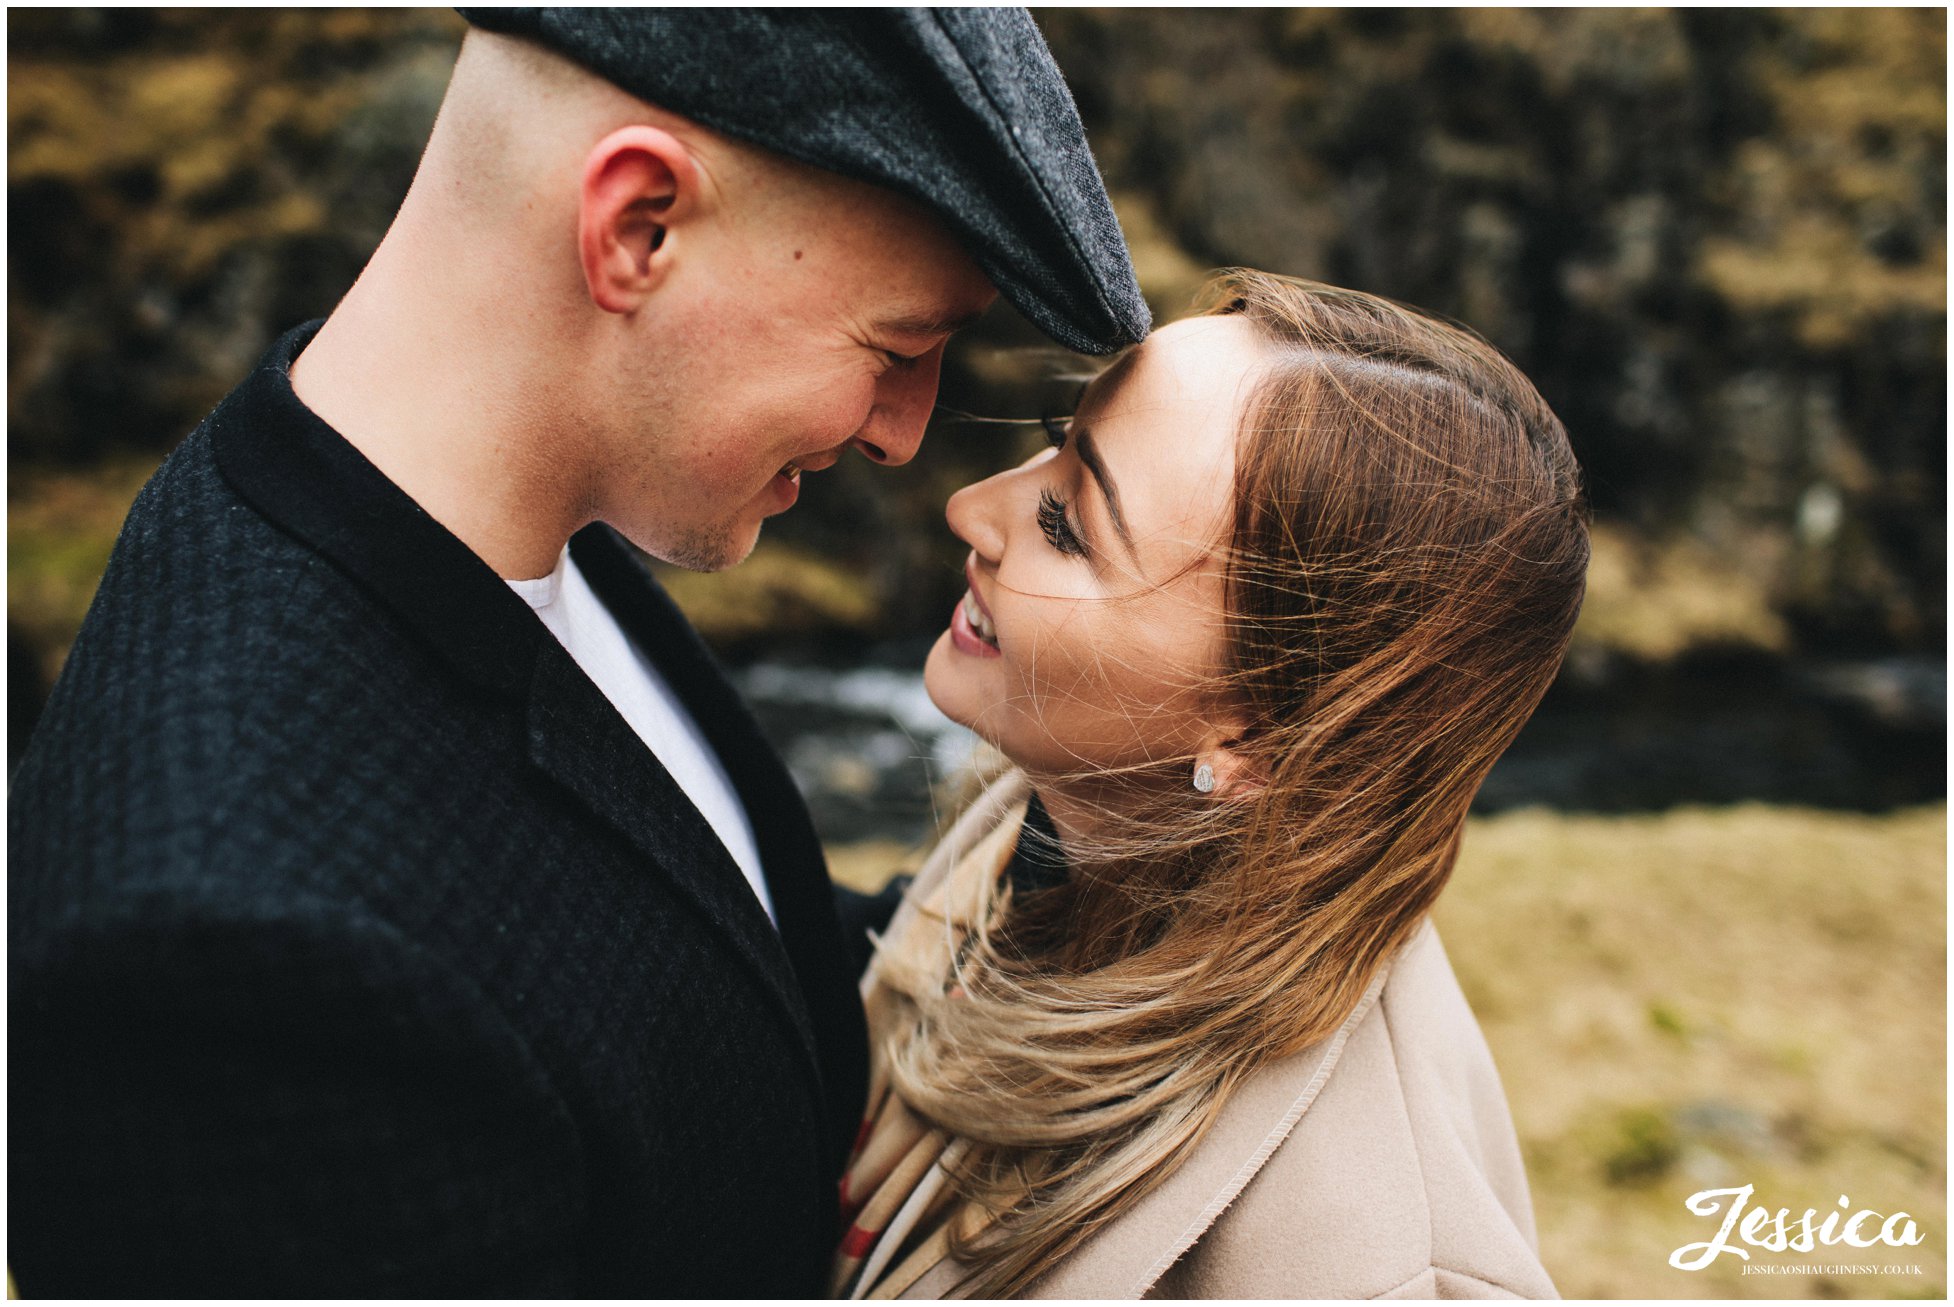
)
(637, 183)
(1222, 768)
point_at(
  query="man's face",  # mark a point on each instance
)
(784, 338)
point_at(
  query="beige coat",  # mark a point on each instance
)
(1381, 1163)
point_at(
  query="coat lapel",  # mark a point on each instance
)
(790, 851)
(781, 826)
(581, 742)
(310, 481)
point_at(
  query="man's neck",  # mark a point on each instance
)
(446, 414)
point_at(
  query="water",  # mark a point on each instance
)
(866, 745)
(870, 751)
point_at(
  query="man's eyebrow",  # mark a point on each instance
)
(928, 324)
(1081, 440)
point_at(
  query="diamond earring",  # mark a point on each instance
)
(1204, 779)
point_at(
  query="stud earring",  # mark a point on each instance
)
(1204, 779)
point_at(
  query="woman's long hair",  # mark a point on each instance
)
(1406, 561)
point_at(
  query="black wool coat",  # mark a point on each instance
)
(358, 947)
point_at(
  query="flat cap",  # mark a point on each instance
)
(963, 110)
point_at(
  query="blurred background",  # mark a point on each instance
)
(1701, 909)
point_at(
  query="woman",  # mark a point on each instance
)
(1163, 1014)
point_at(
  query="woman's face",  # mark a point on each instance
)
(1094, 614)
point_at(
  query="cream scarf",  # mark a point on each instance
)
(896, 1195)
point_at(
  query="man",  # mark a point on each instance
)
(371, 936)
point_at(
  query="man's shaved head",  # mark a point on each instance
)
(518, 116)
(653, 324)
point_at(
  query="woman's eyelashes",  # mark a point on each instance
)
(1057, 526)
(1052, 519)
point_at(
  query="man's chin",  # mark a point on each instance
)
(703, 550)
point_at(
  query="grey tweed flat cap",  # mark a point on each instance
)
(961, 109)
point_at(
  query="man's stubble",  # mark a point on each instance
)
(709, 549)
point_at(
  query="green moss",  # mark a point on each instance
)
(1667, 1020)
(1645, 1147)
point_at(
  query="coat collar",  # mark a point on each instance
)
(1125, 1259)
(306, 478)
(311, 482)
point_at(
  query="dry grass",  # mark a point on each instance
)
(60, 529)
(868, 865)
(777, 589)
(1657, 599)
(1703, 999)
(1706, 999)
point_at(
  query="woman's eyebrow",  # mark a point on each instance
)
(1081, 440)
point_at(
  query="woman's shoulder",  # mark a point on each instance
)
(1400, 1175)
(1379, 1162)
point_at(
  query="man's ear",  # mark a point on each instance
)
(637, 183)
(1235, 774)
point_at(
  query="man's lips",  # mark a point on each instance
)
(784, 486)
(819, 461)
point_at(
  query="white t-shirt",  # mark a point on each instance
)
(586, 629)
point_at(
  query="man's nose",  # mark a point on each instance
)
(904, 398)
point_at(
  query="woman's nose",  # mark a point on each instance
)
(974, 517)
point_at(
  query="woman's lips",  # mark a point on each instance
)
(971, 631)
(973, 611)
(971, 628)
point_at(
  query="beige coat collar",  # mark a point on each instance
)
(1125, 1259)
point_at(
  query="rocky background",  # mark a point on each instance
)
(1715, 238)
